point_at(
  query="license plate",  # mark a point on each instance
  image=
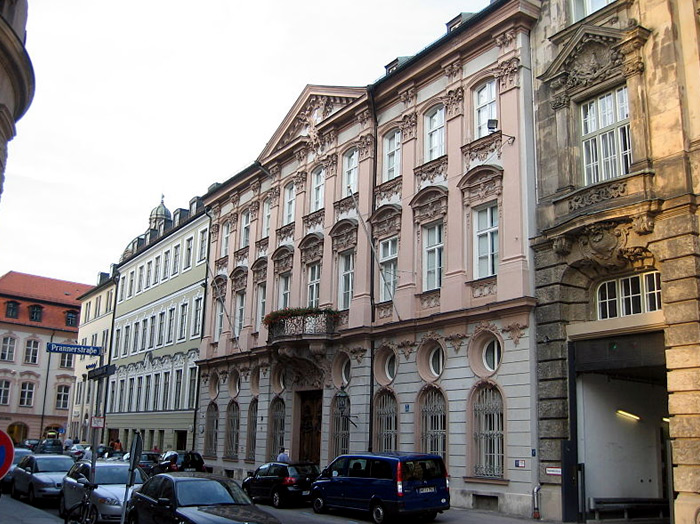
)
(304, 493)
(430, 489)
(190, 469)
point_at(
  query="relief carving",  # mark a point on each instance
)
(602, 244)
(330, 164)
(453, 71)
(345, 239)
(598, 194)
(365, 145)
(385, 310)
(283, 262)
(593, 61)
(408, 97)
(430, 300)
(388, 189)
(515, 330)
(457, 340)
(408, 126)
(300, 181)
(345, 205)
(505, 39)
(483, 288)
(314, 219)
(274, 195)
(436, 169)
(285, 233)
(507, 74)
(453, 102)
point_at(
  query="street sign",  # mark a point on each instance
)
(7, 453)
(103, 371)
(97, 422)
(93, 351)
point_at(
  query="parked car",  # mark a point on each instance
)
(107, 499)
(49, 445)
(184, 461)
(40, 476)
(30, 443)
(6, 481)
(385, 484)
(77, 451)
(193, 497)
(149, 459)
(282, 483)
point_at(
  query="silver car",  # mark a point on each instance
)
(111, 478)
(40, 476)
(7, 479)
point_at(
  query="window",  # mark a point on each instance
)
(203, 240)
(386, 413)
(122, 394)
(122, 288)
(139, 282)
(129, 294)
(188, 253)
(156, 391)
(144, 334)
(166, 264)
(240, 314)
(285, 284)
(87, 311)
(152, 332)
(350, 167)
(252, 433)
(486, 241)
(211, 429)
(488, 432)
(4, 392)
(630, 295)
(71, 318)
(345, 279)
(35, 313)
(178, 388)
(62, 397)
(156, 270)
(233, 422)
(137, 330)
(314, 283)
(225, 235)
(583, 8)
(183, 322)
(26, 394)
(245, 229)
(266, 217)
(484, 108)
(392, 155)
(147, 394)
(276, 437)
(192, 393)
(197, 317)
(127, 332)
(432, 257)
(176, 260)
(166, 390)
(110, 301)
(435, 133)
(171, 326)
(12, 309)
(218, 319)
(161, 327)
(31, 352)
(289, 197)
(433, 422)
(98, 306)
(139, 392)
(492, 355)
(388, 263)
(607, 145)
(318, 178)
(437, 361)
(66, 360)
(130, 398)
(340, 429)
(262, 304)
(7, 352)
(390, 367)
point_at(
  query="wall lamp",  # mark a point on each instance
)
(628, 415)
(492, 125)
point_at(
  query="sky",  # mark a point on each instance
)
(141, 98)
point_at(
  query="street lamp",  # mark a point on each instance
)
(341, 402)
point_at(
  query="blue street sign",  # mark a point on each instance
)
(93, 351)
(7, 453)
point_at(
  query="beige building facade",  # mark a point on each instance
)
(618, 134)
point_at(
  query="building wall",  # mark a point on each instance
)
(642, 219)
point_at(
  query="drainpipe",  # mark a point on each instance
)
(370, 439)
(536, 502)
(46, 388)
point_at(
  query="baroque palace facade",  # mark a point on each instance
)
(371, 274)
(618, 141)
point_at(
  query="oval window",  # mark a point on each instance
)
(390, 367)
(437, 361)
(492, 355)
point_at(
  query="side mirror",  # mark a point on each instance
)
(325, 472)
(164, 502)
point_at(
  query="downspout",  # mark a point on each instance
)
(46, 388)
(373, 109)
(115, 279)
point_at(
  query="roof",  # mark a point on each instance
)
(22, 285)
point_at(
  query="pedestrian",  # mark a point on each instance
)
(67, 443)
(283, 457)
(117, 446)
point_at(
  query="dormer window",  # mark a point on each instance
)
(35, 313)
(71, 318)
(12, 309)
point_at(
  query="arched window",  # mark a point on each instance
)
(233, 423)
(433, 412)
(252, 433)
(276, 436)
(340, 427)
(488, 425)
(211, 429)
(386, 423)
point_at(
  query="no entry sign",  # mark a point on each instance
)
(7, 453)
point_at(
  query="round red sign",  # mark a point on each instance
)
(7, 453)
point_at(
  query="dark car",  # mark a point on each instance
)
(194, 498)
(385, 484)
(282, 483)
(6, 481)
(49, 445)
(182, 461)
(149, 459)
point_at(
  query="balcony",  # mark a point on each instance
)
(287, 325)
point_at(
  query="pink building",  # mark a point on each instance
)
(370, 282)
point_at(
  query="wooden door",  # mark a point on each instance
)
(310, 426)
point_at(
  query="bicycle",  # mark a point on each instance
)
(82, 512)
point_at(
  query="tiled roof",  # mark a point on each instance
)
(42, 288)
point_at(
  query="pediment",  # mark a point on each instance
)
(305, 120)
(591, 55)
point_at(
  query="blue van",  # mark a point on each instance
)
(385, 484)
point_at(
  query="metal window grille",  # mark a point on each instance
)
(340, 427)
(211, 429)
(277, 428)
(386, 411)
(434, 423)
(488, 433)
(252, 433)
(233, 422)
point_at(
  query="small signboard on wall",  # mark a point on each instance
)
(553, 471)
(519, 463)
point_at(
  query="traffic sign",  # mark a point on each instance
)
(7, 453)
(93, 351)
(97, 422)
(103, 371)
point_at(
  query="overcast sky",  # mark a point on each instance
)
(138, 98)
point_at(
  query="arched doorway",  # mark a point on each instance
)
(18, 432)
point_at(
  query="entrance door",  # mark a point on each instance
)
(310, 426)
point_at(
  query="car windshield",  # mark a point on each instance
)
(303, 470)
(208, 492)
(115, 475)
(53, 464)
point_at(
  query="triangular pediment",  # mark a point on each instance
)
(590, 55)
(305, 120)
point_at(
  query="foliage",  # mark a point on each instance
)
(293, 312)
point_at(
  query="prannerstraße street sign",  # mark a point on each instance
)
(93, 351)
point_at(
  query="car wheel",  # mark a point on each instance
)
(378, 514)
(319, 504)
(277, 499)
(32, 496)
(14, 493)
(92, 516)
(430, 516)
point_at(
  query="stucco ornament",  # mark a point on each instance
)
(594, 61)
(456, 340)
(602, 244)
(515, 330)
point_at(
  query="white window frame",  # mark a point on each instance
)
(203, 243)
(318, 179)
(313, 273)
(351, 166)
(182, 331)
(176, 260)
(485, 107)
(197, 316)
(31, 354)
(225, 236)
(388, 264)
(486, 241)
(289, 203)
(4, 392)
(218, 319)
(392, 155)
(433, 250)
(629, 295)
(266, 218)
(261, 305)
(285, 288)
(244, 240)
(239, 319)
(583, 8)
(346, 277)
(189, 252)
(26, 394)
(435, 133)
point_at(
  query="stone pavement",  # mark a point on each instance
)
(15, 512)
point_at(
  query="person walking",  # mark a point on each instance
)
(283, 457)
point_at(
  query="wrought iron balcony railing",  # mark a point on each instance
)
(318, 324)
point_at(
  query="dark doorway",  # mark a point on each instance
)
(310, 425)
(181, 440)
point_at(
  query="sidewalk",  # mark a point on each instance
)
(15, 512)
(477, 516)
